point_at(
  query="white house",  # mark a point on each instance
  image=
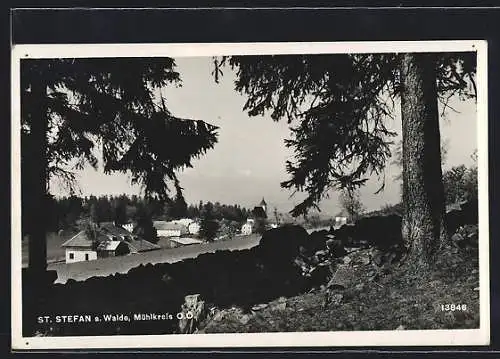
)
(128, 226)
(111, 241)
(340, 221)
(79, 248)
(193, 228)
(169, 229)
(247, 228)
(183, 221)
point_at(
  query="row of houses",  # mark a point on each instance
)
(176, 228)
(109, 240)
(178, 233)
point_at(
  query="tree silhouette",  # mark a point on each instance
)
(208, 226)
(338, 107)
(350, 201)
(85, 111)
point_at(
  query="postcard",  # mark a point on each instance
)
(228, 195)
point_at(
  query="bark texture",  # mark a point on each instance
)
(423, 191)
(37, 179)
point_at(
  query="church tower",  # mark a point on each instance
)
(263, 204)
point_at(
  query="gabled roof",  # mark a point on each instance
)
(259, 212)
(263, 202)
(141, 245)
(163, 225)
(108, 245)
(110, 228)
(134, 243)
(78, 240)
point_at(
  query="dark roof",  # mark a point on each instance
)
(263, 202)
(163, 225)
(135, 244)
(110, 228)
(141, 245)
(108, 245)
(259, 212)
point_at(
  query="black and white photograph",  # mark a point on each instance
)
(263, 194)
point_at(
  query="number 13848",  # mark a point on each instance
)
(453, 307)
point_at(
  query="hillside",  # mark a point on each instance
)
(362, 296)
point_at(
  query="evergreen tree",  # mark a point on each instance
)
(120, 211)
(208, 226)
(338, 106)
(70, 105)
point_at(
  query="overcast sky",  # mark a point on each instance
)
(248, 162)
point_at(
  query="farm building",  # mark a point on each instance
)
(247, 228)
(111, 241)
(183, 241)
(80, 248)
(170, 229)
(340, 221)
(184, 221)
(112, 249)
(128, 226)
(194, 228)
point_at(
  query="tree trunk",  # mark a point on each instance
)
(423, 192)
(38, 178)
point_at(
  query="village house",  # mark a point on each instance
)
(247, 228)
(110, 241)
(128, 226)
(194, 228)
(183, 221)
(340, 220)
(169, 229)
(259, 212)
(80, 248)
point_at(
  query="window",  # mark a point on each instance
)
(72, 256)
(86, 256)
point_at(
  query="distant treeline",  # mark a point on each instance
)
(65, 212)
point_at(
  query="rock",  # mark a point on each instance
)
(457, 238)
(401, 327)
(281, 245)
(280, 306)
(258, 307)
(336, 298)
(377, 258)
(321, 255)
(342, 277)
(379, 231)
(359, 286)
(364, 260)
(218, 316)
(244, 319)
(319, 275)
(466, 215)
(193, 313)
(316, 242)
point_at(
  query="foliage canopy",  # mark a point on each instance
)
(337, 106)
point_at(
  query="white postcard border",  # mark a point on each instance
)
(460, 337)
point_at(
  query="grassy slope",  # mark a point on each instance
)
(386, 301)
